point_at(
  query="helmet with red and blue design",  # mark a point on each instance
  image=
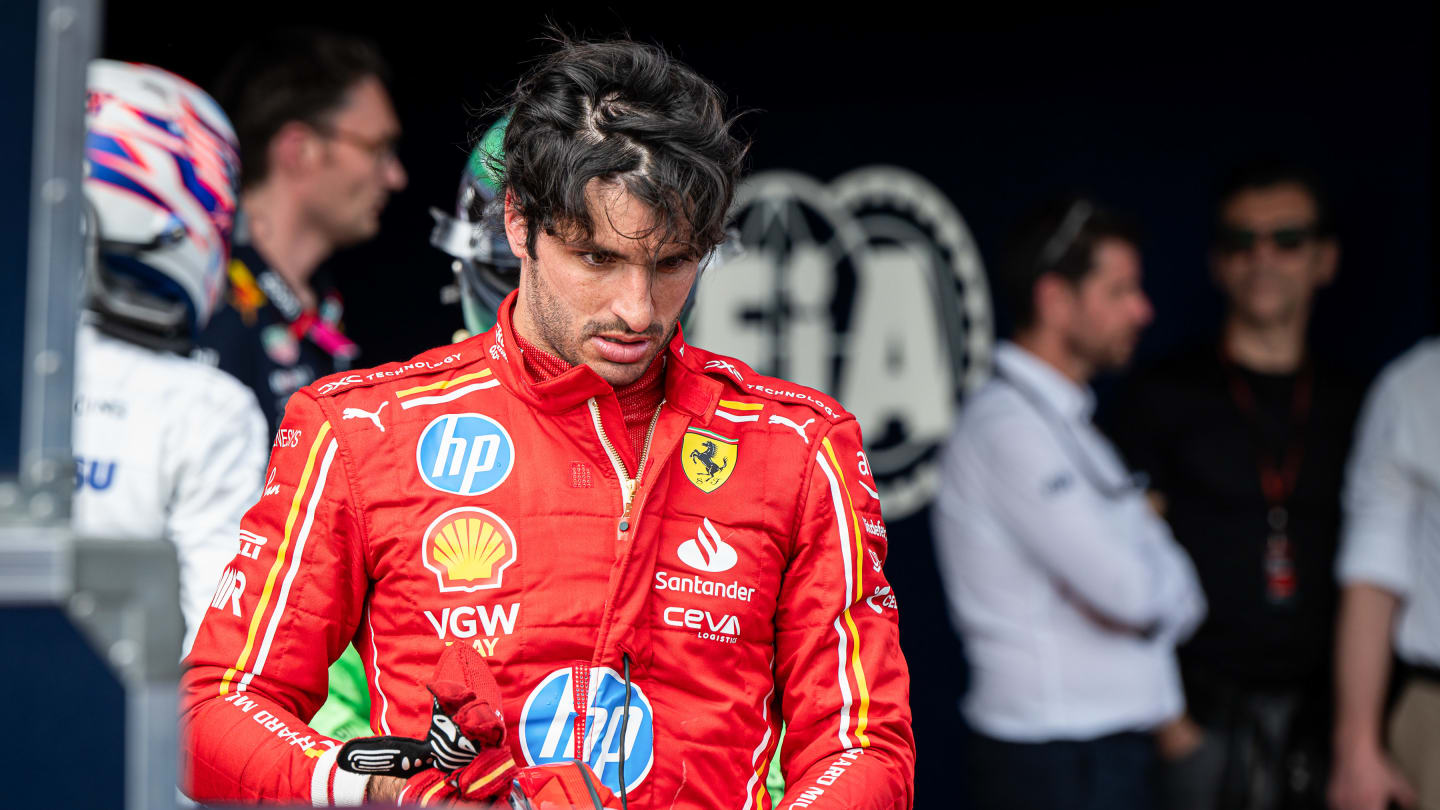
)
(162, 169)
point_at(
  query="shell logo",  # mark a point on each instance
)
(468, 549)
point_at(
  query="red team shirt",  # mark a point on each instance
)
(451, 500)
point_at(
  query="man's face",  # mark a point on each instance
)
(1269, 259)
(1108, 309)
(611, 300)
(357, 168)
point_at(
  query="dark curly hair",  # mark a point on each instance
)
(626, 112)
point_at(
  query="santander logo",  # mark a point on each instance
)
(707, 552)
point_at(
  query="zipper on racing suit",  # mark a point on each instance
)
(628, 485)
(628, 488)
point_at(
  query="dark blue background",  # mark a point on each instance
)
(17, 88)
(1144, 108)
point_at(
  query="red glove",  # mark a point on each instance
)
(561, 786)
(465, 744)
(556, 786)
(464, 758)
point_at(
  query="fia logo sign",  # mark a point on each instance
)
(869, 288)
(465, 454)
(547, 726)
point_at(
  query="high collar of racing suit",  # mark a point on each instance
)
(686, 387)
(638, 400)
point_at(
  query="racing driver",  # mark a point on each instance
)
(661, 554)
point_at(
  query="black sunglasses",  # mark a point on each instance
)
(1285, 240)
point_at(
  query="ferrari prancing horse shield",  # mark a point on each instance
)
(708, 458)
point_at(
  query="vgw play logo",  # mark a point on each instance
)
(547, 726)
(465, 454)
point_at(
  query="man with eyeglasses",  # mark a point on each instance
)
(317, 136)
(317, 139)
(1244, 439)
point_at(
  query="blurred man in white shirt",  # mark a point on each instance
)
(1069, 591)
(1389, 570)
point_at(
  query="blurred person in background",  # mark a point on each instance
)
(1389, 569)
(1068, 590)
(317, 137)
(165, 447)
(1244, 439)
(317, 145)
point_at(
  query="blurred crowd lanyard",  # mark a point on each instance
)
(1278, 475)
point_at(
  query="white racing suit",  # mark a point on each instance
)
(165, 448)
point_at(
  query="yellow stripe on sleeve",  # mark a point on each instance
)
(489, 777)
(859, 594)
(443, 384)
(425, 799)
(279, 561)
(741, 406)
(859, 681)
(850, 502)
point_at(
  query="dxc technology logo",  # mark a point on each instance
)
(465, 454)
(547, 727)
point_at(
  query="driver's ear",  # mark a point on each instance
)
(517, 230)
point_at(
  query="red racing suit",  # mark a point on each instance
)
(734, 572)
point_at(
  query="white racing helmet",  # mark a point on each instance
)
(161, 182)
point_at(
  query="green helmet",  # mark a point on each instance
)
(485, 269)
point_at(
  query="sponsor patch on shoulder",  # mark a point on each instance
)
(708, 458)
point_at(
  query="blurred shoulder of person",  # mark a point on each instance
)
(1244, 438)
(1388, 565)
(165, 447)
(1068, 589)
(318, 135)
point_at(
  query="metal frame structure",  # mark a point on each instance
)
(124, 596)
(68, 36)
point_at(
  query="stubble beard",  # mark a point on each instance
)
(549, 318)
(1111, 354)
(551, 322)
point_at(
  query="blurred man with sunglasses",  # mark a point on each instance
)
(1245, 440)
(317, 141)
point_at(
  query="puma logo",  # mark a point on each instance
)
(780, 420)
(356, 413)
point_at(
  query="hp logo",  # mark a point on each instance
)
(465, 454)
(547, 727)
